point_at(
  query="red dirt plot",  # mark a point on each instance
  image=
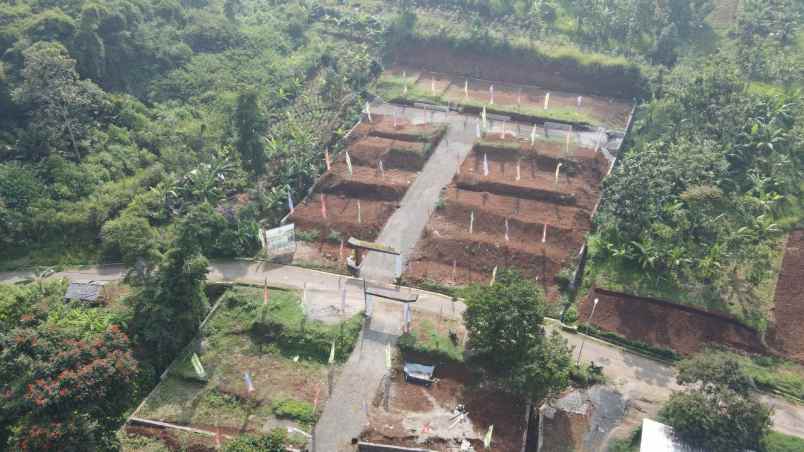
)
(360, 202)
(663, 324)
(534, 207)
(786, 334)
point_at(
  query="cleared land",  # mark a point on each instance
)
(421, 416)
(547, 217)
(358, 204)
(402, 84)
(785, 333)
(667, 325)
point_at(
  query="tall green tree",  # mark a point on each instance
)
(172, 303)
(716, 410)
(63, 108)
(507, 340)
(251, 127)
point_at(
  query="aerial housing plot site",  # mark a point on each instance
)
(401, 226)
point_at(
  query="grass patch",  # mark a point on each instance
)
(773, 374)
(441, 339)
(288, 367)
(297, 410)
(779, 442)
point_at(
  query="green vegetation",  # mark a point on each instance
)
(426, 338)
(506, 339)
(295, 409)
(779, 442)
(274, 442)
(716, 411)
(67, 370)
(767, 373)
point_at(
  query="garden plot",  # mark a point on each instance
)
(421, 416)
(284, 353)
(385, 155)
(506, 208)
(524, 102)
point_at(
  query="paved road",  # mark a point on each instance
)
(637, 377)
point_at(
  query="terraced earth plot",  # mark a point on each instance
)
(405, 85)
(512, 204)
(385, 155)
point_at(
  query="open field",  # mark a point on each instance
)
(385, 154)
(284, 354)
(546, 217)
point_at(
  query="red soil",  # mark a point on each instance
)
(383, 126)
(365, 182)
(516, 69)
(342, 217)
(663, 324)
(403, 149)
(529, 204)
(785, 334)
(486, 406)
(394, 154)
(530, 99)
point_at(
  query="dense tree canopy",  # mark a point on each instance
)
(717, 411)
(507, 340)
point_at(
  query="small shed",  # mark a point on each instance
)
(86, 291)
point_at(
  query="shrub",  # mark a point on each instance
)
(273, 442)
(298, 410)
(570, 315)
(586, 375)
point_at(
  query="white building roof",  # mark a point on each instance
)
(658, 437)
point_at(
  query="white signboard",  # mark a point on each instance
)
(281, 240)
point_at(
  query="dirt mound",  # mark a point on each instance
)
(785, 334)
(365, 183)
(342, 218)
(394, 154)
(664, 324)
(516, 209)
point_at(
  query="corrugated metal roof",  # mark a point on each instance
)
(84, 290)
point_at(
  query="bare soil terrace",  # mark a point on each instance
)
(357, 204)
(523, 101)
(546, 221)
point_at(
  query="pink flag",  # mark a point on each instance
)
(323, 206)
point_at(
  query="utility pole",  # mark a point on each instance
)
(583, 340)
